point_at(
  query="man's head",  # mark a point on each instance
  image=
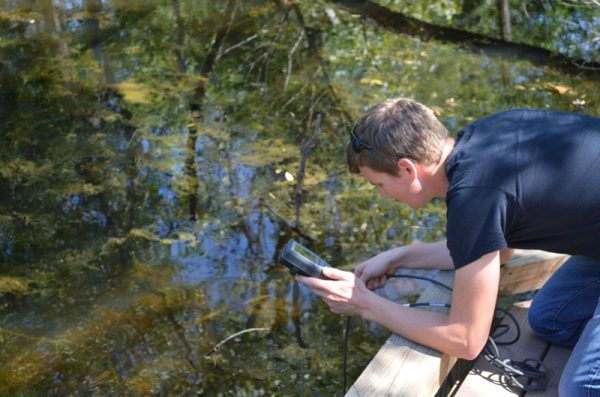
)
(395, 129)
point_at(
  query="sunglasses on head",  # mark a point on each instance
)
(357, 143)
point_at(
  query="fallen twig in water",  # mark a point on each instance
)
(218, 345)
(289, 224)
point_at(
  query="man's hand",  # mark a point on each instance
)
(373, 272)
(344, 293)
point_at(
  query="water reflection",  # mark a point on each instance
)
(145, 195)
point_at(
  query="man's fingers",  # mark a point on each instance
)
(311, 282)
(335, 274)
(359, 271)
(323, 294)
(315, 283)
(375, 283)
(365, 278)
(372, 284)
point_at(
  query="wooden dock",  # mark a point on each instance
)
(404, 369)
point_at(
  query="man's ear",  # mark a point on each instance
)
(407, 168)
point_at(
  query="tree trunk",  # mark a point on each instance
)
(504, 18)
(401, 23)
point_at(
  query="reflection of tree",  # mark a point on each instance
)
(320, 96)
(297, 314)
(197, 98)
(258, 305)
(75, 151)
(52, 23)
(93, 37)
(180, 332)
(307, 145)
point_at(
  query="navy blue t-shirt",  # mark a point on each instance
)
(525, 179)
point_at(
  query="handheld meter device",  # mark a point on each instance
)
(300, 260)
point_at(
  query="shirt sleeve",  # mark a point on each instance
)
(476, 224)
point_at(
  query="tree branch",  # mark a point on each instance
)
(241, 43)
(218, 345)
(312, 41)
(401, 23)
(290, 56)
(290, 224)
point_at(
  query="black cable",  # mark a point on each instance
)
(346, 332)
(503, 329)
(533, 379)
(420, 278)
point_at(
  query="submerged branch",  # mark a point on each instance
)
(289, 224)
(300, 91)
(271, 48)
(218, 345)
(305, 151)
(241, 43)
(290, 57)
(180, 333)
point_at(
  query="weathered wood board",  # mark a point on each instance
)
(528, 271)
(395, 370)
(555, 360)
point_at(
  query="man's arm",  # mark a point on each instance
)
(461, 333)
(424, 256)
(374, 271)
(432, 256)
(506, 254)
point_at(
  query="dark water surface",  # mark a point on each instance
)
(156, 156)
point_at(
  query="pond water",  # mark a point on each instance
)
(146, 190)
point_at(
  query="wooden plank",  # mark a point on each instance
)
(403, 368)
(485, 379)
(555, 360)
(528, 270)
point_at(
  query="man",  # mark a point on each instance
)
(516, 179)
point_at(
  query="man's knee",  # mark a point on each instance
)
(540, 320)
(543, 323)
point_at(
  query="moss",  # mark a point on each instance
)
(134, 93)
(13, 285)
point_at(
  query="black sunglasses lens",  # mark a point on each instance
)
(356, 144)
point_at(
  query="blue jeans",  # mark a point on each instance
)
(566, 312)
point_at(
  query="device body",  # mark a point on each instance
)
(300, 260)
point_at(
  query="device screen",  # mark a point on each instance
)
(305, 253)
